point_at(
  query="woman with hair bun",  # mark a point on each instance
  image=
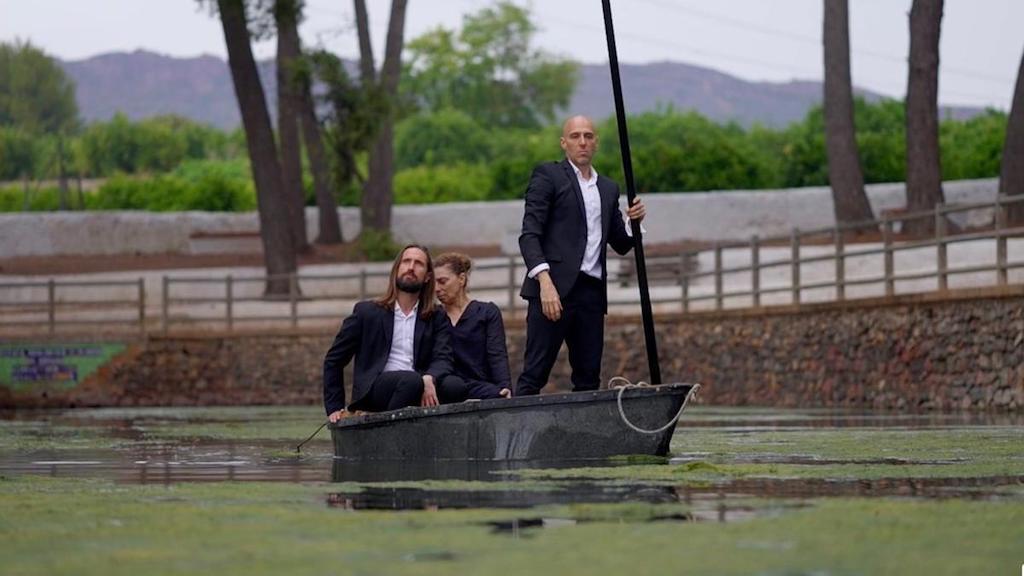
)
(477, 336)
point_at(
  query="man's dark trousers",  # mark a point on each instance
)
(581, 327)
(391, 391)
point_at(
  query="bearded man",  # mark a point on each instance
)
(400, 343)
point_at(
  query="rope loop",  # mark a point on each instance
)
(641, 384)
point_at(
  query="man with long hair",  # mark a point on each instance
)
(400, 343)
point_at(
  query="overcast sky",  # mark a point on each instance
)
(773, 40)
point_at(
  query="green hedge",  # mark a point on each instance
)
(198, 185)
(432, 184)
(447, 157)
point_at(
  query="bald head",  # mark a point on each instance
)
(578, 121)
(579, 141)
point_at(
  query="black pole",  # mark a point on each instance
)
(627, 169)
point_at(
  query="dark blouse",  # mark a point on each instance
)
(478, 343)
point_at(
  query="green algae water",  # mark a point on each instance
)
(744, 491)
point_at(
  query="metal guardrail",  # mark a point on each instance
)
(57, 307)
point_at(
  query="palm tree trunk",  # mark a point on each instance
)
(367, 67)
(378, 196)
(278, 251)
(1011, 174)
(287, 120)
(924, 171)
(330, 224)
(849, 200)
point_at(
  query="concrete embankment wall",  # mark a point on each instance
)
(964, 352)
(708, 216)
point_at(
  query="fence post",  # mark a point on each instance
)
(718, 276)
(293, 300)
(165, 304)
(142, 306)
(362, 283)
(1000, 241)
(840, 253)
(51, 299)
(755, 270)
(684, 277)
(890, 283)
(229, 297)
(794, 258)
(685, 282)
(942, 265)
(511, 283)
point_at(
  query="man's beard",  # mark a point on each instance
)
(409, 286)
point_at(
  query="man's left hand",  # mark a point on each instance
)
(429, 392)
(636, 211)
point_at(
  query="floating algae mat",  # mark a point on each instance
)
(743, 491)
(68, 526)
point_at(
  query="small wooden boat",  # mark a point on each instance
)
(569, 426)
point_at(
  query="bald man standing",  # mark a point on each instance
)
(572, 215)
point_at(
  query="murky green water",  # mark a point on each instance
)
(744, 491)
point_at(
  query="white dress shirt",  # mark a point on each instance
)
(402, 337)
(591, 264)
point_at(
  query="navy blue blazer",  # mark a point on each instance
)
(555, 226)
(478, 345)
(366, 334)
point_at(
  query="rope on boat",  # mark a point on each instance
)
(298, 449)
(641, 384)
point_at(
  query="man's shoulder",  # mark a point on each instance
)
(550, 167)
(605, 181)
(367, 307)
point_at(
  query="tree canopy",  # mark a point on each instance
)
(489, 70)
(35, 94)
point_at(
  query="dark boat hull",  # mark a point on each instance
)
(580, 425)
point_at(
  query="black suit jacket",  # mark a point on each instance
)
(555, 226)
(366, 334)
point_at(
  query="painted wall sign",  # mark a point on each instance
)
(32, 367)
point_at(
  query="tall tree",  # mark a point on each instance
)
(1011, 174)
(849, 200)
(327, 205)
(489, 70)
(378, 194)
(286, 17)
(924, 170)
(37, 98)
(278, 248)
(353, 112)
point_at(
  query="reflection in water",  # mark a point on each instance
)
(711, 506)
(170, 463)
(725, 502)
(136, 455)
(415, 470)
(401, 498)
(527, 527)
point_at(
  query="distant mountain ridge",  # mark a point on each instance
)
(141, 84)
